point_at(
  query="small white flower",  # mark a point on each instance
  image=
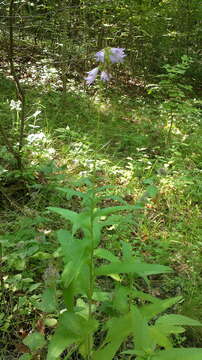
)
(35, 138)
(15, 105)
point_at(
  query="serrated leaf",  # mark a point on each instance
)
(71, 192)
(105, 254)
(115, 198)
(34, 341)
(179, 354)
(65, 213)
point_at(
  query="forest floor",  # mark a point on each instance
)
(129, 132)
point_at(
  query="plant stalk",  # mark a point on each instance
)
(19, 90)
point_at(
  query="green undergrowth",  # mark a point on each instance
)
(134, 155)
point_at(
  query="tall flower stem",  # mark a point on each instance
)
(93, 205)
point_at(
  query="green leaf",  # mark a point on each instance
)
(82, 282)
(113, 209)
(75, 254)
(127, 252)
(71, 248)
(71, 192)
(151, 310)
(115, 198)
(160, 338)
(116, 219)
(138, 268)
(173, 319)
(152, 191)
(167, 329)
(118, 331)
(25, 357)
(105, 254)
(65, 213)
(141, 332)
(49, 300)
(143, 296)
(59, 342)
(179, 354)
(72, 329)
(100, 296)
(68, 296)
(65, 239)
(134, 352)
(120, 299)
(19, 264)
(68, 332)
(71, 271)
(34, 341)
(79, 220)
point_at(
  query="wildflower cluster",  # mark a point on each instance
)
(106, 57)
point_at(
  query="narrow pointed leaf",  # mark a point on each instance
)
(140, 269)
(144, 296)
(173, 319)
(113, 209)
(151, 310)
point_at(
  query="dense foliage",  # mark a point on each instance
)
(100, 179)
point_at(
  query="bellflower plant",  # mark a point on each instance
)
(91, 75)
(106, 57)
(116, 55)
